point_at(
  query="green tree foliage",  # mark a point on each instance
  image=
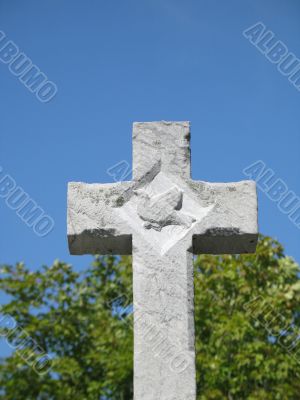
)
(244, 306)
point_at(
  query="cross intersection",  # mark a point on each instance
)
(162, 217)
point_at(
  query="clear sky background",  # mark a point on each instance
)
(116, 62)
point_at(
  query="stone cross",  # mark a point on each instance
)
(162, 217)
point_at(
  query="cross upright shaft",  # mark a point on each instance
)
(162, 217)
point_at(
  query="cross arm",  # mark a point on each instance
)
(94, 226)
(231, 227)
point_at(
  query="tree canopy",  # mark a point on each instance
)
(246, 314)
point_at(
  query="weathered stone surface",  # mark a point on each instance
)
(94, 226)
(162, 217)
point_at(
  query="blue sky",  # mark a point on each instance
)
(118, 62)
